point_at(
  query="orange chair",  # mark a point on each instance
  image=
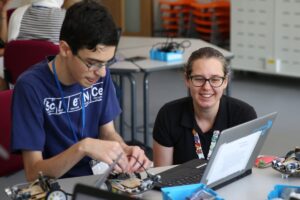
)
(9, 163)
(212, 20)
(175, 16)
(19, 55)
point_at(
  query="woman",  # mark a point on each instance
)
(189, 127)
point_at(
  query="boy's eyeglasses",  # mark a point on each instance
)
(97, 65)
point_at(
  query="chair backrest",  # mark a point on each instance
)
(14, 162)
(19, 55)
(9, 13)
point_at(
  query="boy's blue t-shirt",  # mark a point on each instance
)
(40, 121)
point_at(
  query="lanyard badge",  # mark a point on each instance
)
(65, 105)
(198, 146)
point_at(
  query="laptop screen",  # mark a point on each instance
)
(236, 151)
(232, 157)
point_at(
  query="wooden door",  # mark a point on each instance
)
(123, 10)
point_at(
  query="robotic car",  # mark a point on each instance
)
(290, 165)
(131, 184)
(43, 188)
(124, 183)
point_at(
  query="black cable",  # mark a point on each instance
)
(172, 46)
(148, 174)
(133, 62)
(68, 194)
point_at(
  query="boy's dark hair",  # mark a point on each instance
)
(88, 24)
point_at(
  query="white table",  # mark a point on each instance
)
(140, 46)
(256, 186)
(253, 187)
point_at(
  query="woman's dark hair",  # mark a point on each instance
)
(88, 24)
(206, 52)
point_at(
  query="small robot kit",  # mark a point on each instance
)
(122, 183)
(290, 165)
(284, 192)
(131, 184)
(44, 188)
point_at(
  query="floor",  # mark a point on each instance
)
(265, 92)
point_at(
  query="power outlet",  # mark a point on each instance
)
(273, 65)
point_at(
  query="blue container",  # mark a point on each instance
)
(278, 190)
(183, 191)
(166, 56)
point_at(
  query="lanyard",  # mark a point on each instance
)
(65, 105)
(198, 146)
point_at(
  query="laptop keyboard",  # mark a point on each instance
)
(184, 174)
(184, 180)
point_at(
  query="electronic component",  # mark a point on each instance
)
(290, 165)
(201, 194)
(169, 51)
(131, 184)
(42, 188)
(289, 192)
(172, 46)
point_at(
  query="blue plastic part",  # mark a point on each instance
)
(166, 56)
(184, 191)
(278, 190)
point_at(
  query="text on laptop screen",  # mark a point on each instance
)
(232, 157)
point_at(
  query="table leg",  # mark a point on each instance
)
(133, 106)
(146, 109)
(132, 101)
(121, 100)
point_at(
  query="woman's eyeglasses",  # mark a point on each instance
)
(199, 81)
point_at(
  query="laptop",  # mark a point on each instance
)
(85, 192)
(233, 157)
